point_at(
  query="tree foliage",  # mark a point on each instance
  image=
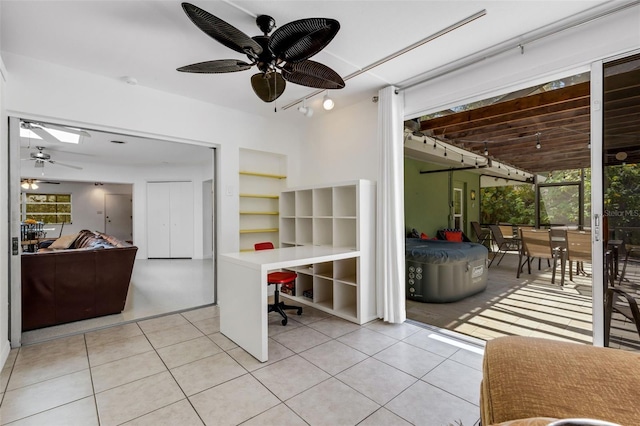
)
(560, 205)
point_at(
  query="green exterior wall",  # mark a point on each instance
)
(427, 197)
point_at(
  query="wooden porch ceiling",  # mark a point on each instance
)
(559, 119)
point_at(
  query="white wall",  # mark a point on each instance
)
(340, 145)
(5, 249)
(43, 90)
(49, 92)
(87, 204)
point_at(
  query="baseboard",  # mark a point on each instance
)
(4, 353)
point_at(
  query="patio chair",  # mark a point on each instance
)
(503, 244)
(578, 250)
(482, 235)
(628, 307)
(537, 243)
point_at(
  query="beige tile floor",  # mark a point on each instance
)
(180, 370)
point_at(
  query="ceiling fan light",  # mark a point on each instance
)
(34, 186)
(327, 102)
(25, 185)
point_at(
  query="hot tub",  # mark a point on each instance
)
(444, 271)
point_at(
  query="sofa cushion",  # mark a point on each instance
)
(531, 421)
(64, 242)
(88, 238)
(527, 377)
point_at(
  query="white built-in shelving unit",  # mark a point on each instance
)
(341, 215)
(262, 177)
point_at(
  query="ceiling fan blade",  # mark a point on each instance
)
(301, 39)
(312, 74)
(218, 66)
(220, 30)
(268, 86)
(66, 129)
(64, 164)
(46, 136)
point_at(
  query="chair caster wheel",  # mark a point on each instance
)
(300, 311)
(284, 321)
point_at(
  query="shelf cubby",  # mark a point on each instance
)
(324, 269)
(304, 203)
(346, 271)
(323, 202)
(288, 204)
(323, 231)
(345, 299)
(345, 201)
(345, 233)
(340, 216)
(323, 292)
(304, 283)
(304, 231)
(288, 230)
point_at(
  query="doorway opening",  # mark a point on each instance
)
(513, 151)
(106, 175)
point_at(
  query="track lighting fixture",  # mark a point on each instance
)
(304, 109)
(327, 102)
(486, 150)
(425, 140)
(445, 151)
(434, 144)
(462, 159)
(538, 142)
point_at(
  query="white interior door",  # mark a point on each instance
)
(118, 216)
(207, 219)
(181, 211)
(158, 220)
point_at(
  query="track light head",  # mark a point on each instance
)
(306, 111)
(327, 102)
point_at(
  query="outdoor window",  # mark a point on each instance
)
(47, 208)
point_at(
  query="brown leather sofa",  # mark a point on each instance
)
(534, 381)
(88, 279)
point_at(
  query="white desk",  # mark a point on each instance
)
(242, 289)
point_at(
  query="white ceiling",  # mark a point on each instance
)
(148, 40)
(99, 148)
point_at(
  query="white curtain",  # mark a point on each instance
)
(390, 239)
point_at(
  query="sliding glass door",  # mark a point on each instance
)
(616, 196)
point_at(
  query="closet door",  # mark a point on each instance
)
(181, 219)
(158, 220)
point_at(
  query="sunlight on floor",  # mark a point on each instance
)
(528, 306)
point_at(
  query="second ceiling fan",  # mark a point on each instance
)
(283, 56)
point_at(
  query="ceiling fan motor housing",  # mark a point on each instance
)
(266, 23)
(266, 59)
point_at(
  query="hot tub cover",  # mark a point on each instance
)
(438, 251)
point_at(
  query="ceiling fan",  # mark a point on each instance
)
(48, 132)
(41, 158)
(280, 57)
(33, 183)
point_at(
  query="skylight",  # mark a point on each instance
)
(60, 135)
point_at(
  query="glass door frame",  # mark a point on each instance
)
(597, 192)
(597, 204)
